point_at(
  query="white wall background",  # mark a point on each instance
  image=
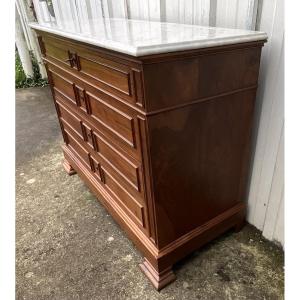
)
(222, 13)
(266, 192)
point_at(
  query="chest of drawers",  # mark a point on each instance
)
(162, 140)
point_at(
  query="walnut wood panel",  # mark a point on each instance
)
(120, 79)
(123, 168)
(64, 86)
(115, 120)
(194, 78)
(124, 198)
(75, 146)
(214, 136)
(69, 118)
(129, 203)
(130, 170)
(162, 140)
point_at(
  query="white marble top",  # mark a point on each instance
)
(137, 38)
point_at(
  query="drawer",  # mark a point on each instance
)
(76, 147)
(68, 118)
(114, 120)
(125, 170)
(102, 70)
(134, 209)
(103, 172)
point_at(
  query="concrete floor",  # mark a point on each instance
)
(68, 247)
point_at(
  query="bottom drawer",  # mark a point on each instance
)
(124, 199)
(74, 145)
(135, 209)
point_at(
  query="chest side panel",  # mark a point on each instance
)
(199, 151)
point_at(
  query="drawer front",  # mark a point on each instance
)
(124, 198)
(126, 169)
(76, 146)
(117, 174)
(129, 204)
(105, 72)
(114, 120)
(67, 117)
(64, 86)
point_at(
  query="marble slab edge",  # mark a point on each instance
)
(154, 49)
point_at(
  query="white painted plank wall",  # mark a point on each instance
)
(223, 13)
(266, 198)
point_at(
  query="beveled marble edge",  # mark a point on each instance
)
(155, 49)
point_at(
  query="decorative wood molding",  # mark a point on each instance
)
(158, 279)
(69, 169)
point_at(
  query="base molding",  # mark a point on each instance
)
(68, 168)
(158, 279)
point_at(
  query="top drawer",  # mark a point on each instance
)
(120, 80)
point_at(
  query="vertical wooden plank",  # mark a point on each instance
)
(83, 17)
(22, 47)
(186, 11)
(172, 11)
(117, 8)
(222, 13)
(269, 114)
(96, 9)
(105, 8)
(227, 13)
(138, 9)
(262, 115)
(156, 10)
(58, 14)
(279, 228)
(201, 12)
(276, 192)
(27, 16)
(212, 13)
(236, 13)
(106, 15)
(66, 15)
(252, 15)
(42, 12)
(71, 10)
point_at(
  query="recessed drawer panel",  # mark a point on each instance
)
(115, 76)
(67, 117)
(124, 169)
(75, 146)
(102, 172)
(64, 86)
(127, 171)
(58, 52)
(118, 122)
(114, 120)
(124, 198)
(107, 73)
